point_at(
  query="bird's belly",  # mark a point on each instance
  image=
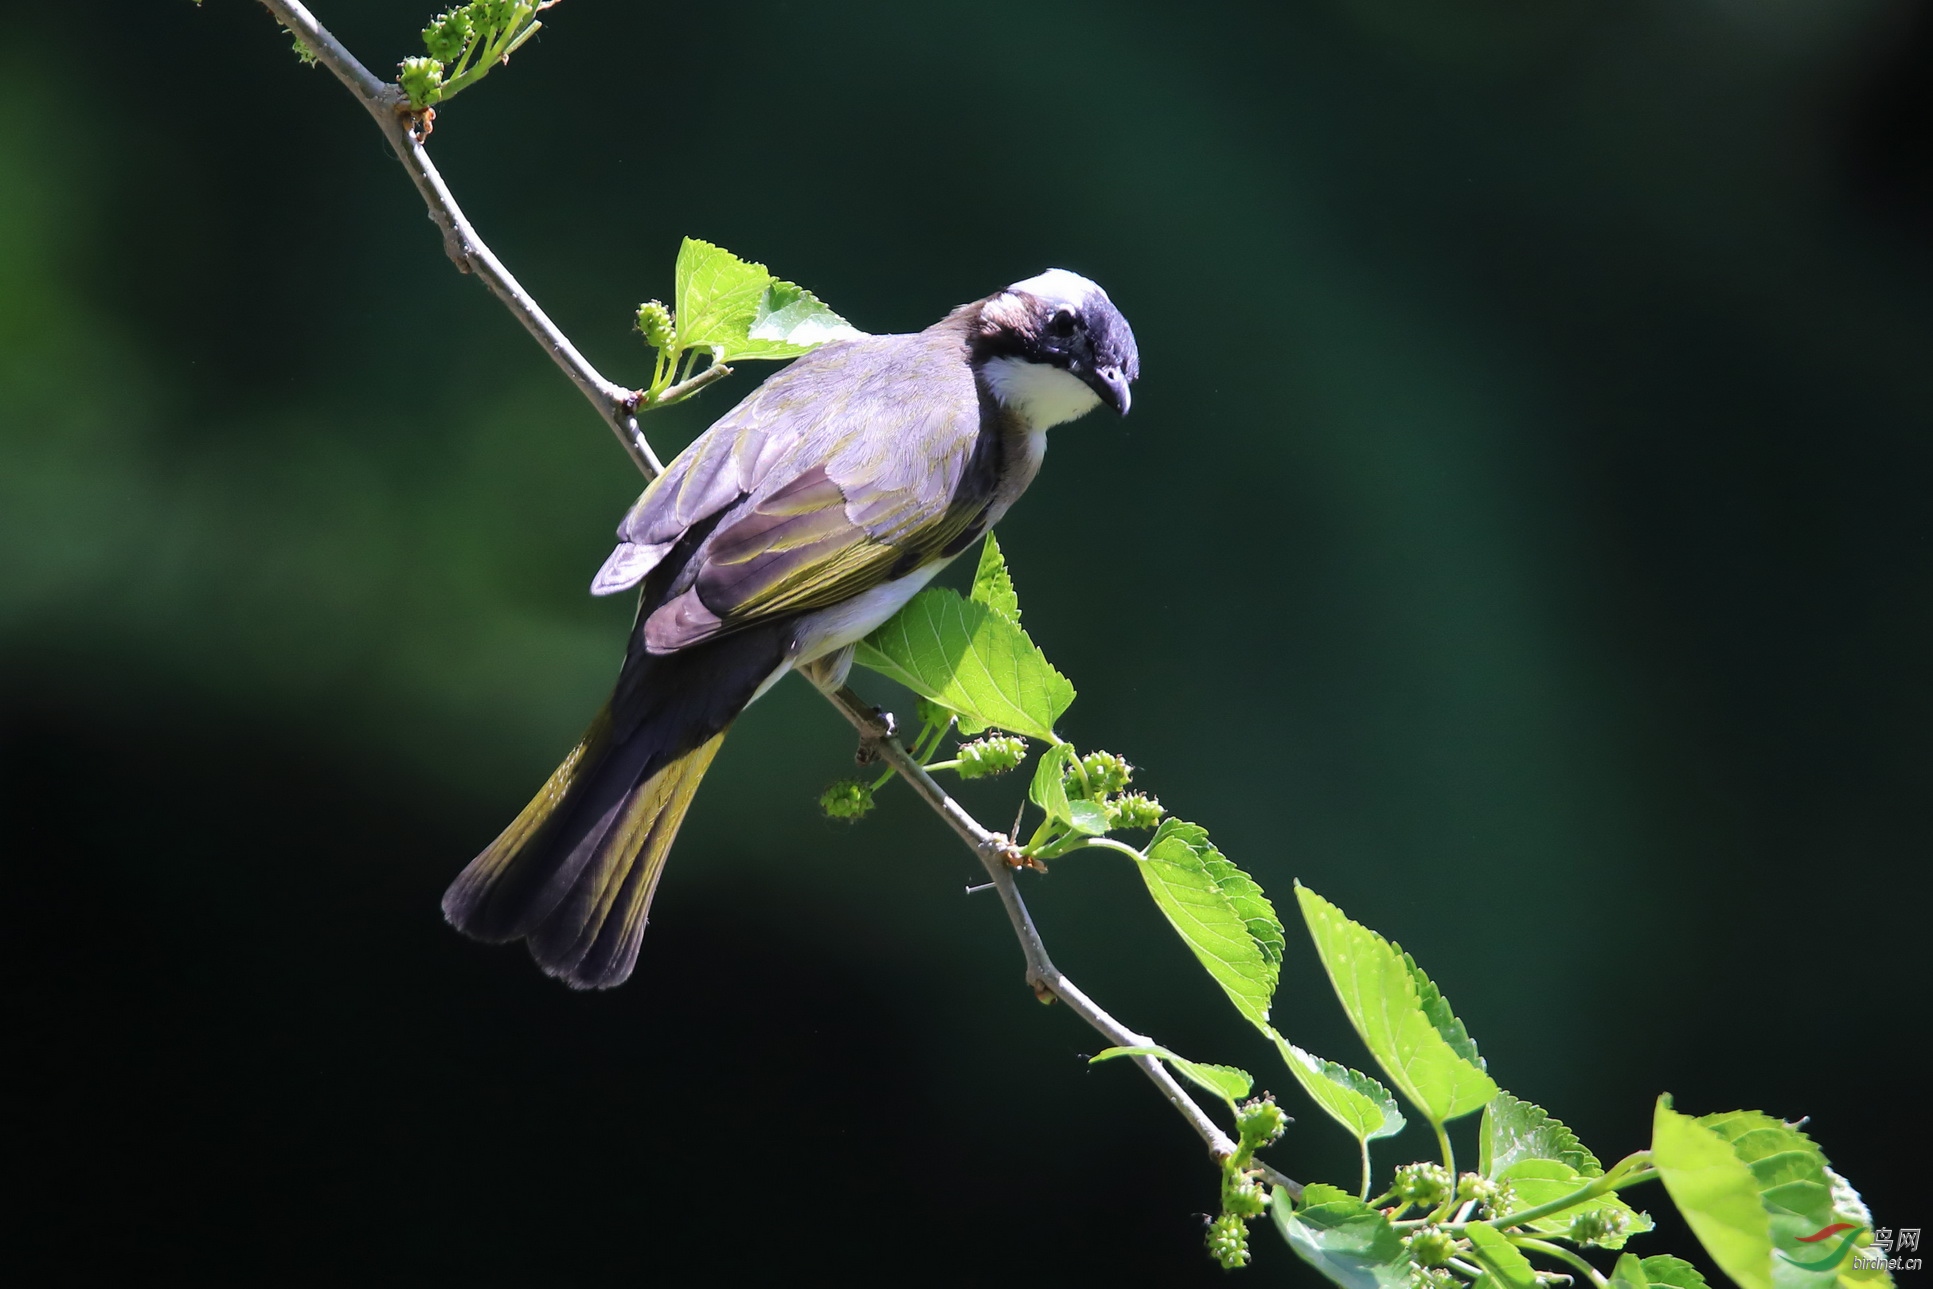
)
(838, 625)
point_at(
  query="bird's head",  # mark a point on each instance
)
(1054, 347)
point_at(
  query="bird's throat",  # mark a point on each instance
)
(1040, 394)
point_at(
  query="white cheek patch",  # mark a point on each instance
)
(1042, 395)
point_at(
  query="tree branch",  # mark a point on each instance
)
(404, 130)
(619, 407)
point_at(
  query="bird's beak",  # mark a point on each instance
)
(1112, 385)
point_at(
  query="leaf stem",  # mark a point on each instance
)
(1597, 1186)
(1363, 1194)
(1562, 1254)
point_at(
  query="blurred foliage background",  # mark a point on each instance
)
(1520, 537)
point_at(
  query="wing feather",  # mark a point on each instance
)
(859, 461)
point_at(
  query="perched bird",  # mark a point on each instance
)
(804, 518)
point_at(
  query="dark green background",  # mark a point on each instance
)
(1520, 537)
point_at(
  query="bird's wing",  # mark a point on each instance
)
(852, 467)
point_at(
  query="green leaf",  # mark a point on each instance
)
(993, 584)
(1663, 1269)
(1218, 913)
(1403, 1020)
(1848, 1207)
(1088, 817)
(1539, 1181)
(1801, 1197)
(1500, 1257)
(1225, 1081)
(1629, 1274)
(1049, 787)
(737, 309)
(1350, 1243)
(1514, 1129)
(971, 661)
(1717, 1194)
(1354, 1100)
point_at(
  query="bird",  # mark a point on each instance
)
(801, 520)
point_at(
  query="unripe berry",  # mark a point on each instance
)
(994, 754)
(1228, 1241)
(654, 320)
(1425, 1185)
(447, 34)
(1105, 772)
(1599, 1226)
(1430, 1246)
(847, 799)
(1260, 1122)
(1432, 1278)
(1134, 810)
(421, 79)
(1244, 1198)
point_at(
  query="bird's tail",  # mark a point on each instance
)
(573, 874)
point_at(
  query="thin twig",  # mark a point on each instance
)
(390, 107)
(996, 854)
(619, 406)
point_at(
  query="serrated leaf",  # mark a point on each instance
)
(1663, 1269)
(1381, 989)
(1350, 1243)
(736, 309)
(1225, 1081)
(971, 661)
(1717, 1194)
(1847, 1206)
(1215, 909)
(1800, 1200)
(1514, 1129)
(1255, 909)
(1088, 817)
(1539, 1181)
(790, 321)
(1500, 1257)
(1629, 1274)
(1048, 790)
(1354, 1100)
(993, 584)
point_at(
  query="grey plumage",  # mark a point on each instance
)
(798, 522)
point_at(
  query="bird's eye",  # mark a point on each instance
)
(1062, 323)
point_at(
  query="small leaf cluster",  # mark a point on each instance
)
(463, 44)
(727, 309)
